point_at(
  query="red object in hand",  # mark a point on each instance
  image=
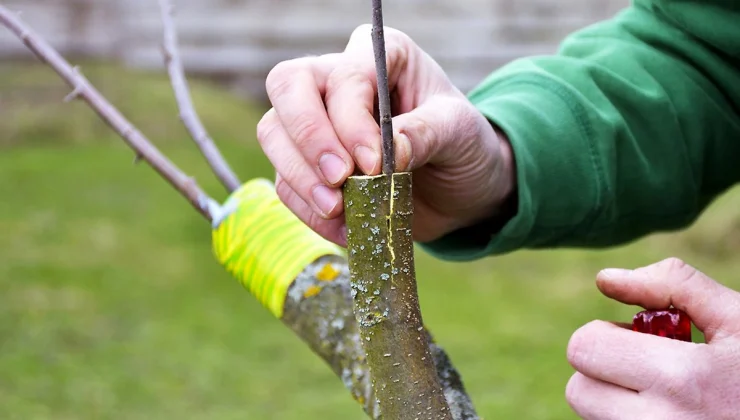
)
(672, 323)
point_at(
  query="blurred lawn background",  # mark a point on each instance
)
(112, 307)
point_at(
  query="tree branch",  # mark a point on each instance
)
(319, 306)
(304, 281)
(384, 97)
(83, 89)
(379, 213)
(188, 115)
(319, 309)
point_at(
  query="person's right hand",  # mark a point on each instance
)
(322, 127)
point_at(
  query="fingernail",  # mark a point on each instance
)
(366, 158)
(403, 152)
(332, 167)
(613, 273)
(325, 199)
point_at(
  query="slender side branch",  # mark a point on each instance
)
(188, 115)
(384, 97)
(83, 89)
(330, 328)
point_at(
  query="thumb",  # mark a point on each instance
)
(714, 308)
(430, 132)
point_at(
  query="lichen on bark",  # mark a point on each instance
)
(379, 214)
(319, 309)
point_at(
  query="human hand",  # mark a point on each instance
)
(322, 127)
(630, 375)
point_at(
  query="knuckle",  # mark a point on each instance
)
(675, 269)
(283, 190)
(677, 265)
(674, 378)
(465, 118)
(705, 375)
(679, 382)
(397, 43)
(672, 270)
(314, 220)
(698, 376)
(344, 75)
(305, 130)
(398, 39)
(292, 172)
(266, 125)
(397, 50)
(580, 345)
(390, 34)
(422, 133)
(362, 30)
(415, 123)
(400, 47)
(278, 80)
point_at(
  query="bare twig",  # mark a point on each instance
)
(83, 89)
(323, 320)
(188, 115)
(384, 97)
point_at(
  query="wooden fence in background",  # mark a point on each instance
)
(239, 41)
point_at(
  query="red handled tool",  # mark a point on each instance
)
(671, 323)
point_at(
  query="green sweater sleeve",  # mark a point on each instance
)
(632, 127)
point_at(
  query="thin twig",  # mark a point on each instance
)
(384, 97)
(188, 115)
(83, 89)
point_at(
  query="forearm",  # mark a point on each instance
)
(628, 130)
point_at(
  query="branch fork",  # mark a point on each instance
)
(386, 347)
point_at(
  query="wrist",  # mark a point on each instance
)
(507, 203)
(497, 203)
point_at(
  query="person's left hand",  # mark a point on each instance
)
(623, 374)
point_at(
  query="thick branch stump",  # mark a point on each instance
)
(379, 212)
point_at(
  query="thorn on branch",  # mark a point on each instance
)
(78, 87)
(165, 53)
(76, 92)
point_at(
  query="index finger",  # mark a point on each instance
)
(351, 94)
(617, 355)
(296, 89)
(711, 306)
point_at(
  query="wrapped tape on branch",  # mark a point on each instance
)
(264, 245)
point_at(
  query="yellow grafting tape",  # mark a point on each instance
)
(264, 245)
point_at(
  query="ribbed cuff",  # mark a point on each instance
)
(556, 164)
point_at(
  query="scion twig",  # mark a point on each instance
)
(384, 97)
(188, 115)
(84, 90)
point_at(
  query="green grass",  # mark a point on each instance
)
(111, 305)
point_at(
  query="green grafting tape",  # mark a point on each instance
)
(264, 245)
